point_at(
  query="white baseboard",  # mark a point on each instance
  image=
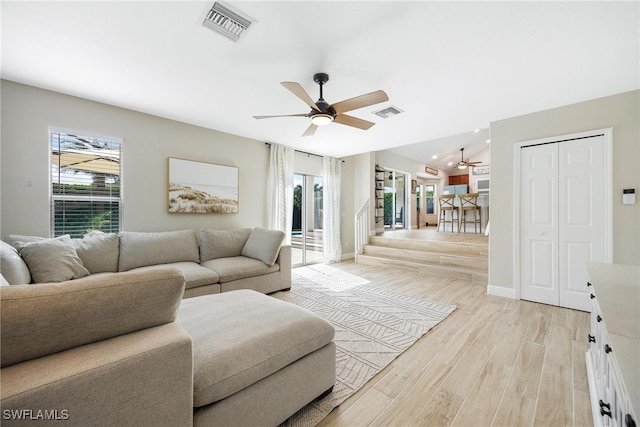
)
(350, 255)
(499, 291)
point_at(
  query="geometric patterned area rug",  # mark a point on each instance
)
(373, 327)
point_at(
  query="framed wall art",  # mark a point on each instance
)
(481, 170)
(198, 187)
(430, 170)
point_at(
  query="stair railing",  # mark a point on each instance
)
(362, 228)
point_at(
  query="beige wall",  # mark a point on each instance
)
(28, 112)
(620, 112)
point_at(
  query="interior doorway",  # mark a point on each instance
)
(307, 229)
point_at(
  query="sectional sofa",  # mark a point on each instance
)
(212, 261)
(99, 333)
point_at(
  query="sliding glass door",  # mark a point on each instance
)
(306, 234)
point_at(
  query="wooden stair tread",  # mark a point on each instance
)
(470, 262)
(447, 271)
(455, 256)
(458, 248)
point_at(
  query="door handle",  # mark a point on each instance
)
(605, 409)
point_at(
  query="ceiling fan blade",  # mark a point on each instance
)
(360, 101)
(355, 122)
(310, 130)
(283, 115)
(298, 91)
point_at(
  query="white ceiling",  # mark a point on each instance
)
(452, 67)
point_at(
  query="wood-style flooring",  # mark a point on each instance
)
(493, 362)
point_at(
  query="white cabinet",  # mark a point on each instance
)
(613, 358)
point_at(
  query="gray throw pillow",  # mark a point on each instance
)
(52, 260)
(99, 252)
(222, 243)
(12, 266)
(12, 239)
(264, 245)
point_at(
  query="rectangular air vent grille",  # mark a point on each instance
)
(226, 21)
(388, 112)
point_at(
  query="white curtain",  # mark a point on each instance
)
(280, 189)
(332, 171)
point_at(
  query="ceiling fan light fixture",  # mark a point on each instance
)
(321, 119)
(462, 166)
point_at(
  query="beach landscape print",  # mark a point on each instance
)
(198, 187)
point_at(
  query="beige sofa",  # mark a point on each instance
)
(212, 261)
(125, 349)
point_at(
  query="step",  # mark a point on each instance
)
(476, 263)
(424, 268)
(435, 246)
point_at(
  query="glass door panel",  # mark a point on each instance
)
(306, 233)
(395, 211)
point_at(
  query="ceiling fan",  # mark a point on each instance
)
(323, 113)
(462, 164)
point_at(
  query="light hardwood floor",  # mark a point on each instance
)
(493, 362)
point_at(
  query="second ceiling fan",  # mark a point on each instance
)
(462, 164)
(323, 113)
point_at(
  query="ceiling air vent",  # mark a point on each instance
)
(227, 22)
(385, 113)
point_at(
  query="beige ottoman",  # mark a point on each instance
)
(257, 360)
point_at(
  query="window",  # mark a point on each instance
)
(86, 190)
(430, 196)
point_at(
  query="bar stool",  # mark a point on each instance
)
(469, 202)
(446, 204)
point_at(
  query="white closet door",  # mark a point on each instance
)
(539, 224)
(581, 217)
(562, 214)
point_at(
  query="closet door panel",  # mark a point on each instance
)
(580, 216)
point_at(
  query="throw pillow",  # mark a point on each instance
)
(52, 260)
(264, 245)
(12, 266)
(99, 252)
(12, 239)
(222, 243)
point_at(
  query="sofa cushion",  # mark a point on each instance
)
(264, 245)
(241, 337)
(141, 249)
(12, 266)
(42, 319)
(194, 274)
(238, 267)
(52, 260)
(99, 252)
(222, 243)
